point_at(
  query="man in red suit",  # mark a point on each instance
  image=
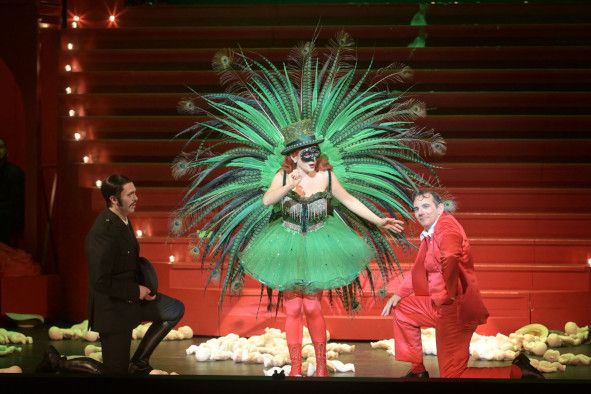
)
(442, 292)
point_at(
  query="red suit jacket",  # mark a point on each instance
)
(450, 252)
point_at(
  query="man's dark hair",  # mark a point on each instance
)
(423, 193)
(113, 186)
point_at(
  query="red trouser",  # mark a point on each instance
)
(452, 338)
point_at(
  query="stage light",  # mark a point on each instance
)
(70, 46)
(112, 18)
(68, 68)
(98, 183)
(171, 259)
(139, 233)
(72, 112)
(86, 159)
(77, 136)
(76, 18)
(74, 25)
(589, 261)
(68, 90)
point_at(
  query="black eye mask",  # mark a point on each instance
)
(310, 154)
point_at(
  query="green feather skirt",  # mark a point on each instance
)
(327, 258)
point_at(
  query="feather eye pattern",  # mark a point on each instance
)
(377, 152)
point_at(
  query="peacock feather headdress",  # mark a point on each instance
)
(365, 129)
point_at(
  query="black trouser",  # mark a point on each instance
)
(116, 345)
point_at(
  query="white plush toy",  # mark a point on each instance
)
(535, 346)
(269, 349)
(140, 330)
(13, 337)
(571, 328)
(339, 366)
(12, 369)
(161, 372)
(77, 331)
(574, 359)
(573, 336)
(428, 341)
(94, 352)
(386, 344)
(557, 340)
(184, 332)
(547, 366)
(535, 338)
(6, 350)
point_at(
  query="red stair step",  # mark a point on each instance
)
(491, 277)
(101, 104)
(517, 150)
(476, 224)
(363, 35)
(522, 199)
(499, 251)
(246, 314)
(451, 174)
(443, 57)
(458, 150)
(469, 199)
(456, 126)
(555, 308)
(353, 13)
(423, 79)
(535, 225)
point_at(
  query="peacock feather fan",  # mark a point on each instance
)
(376, 150)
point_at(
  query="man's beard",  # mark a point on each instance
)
(122, 207)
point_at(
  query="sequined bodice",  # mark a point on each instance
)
(303, 214)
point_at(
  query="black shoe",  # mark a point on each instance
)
(50, 362)
(53, 362)
(417, 375)
(139, 368)
(527, 370)
(140, 362)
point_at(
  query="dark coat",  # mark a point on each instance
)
(112, 254)
(12, 201)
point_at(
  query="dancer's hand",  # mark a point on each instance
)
(390, 304)
(294, 179)
(392, 224)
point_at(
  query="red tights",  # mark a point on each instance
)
(296, 306)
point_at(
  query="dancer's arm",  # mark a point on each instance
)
(361, 210)
(278, 190)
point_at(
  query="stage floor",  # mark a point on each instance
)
(374, 369)
(171, 356)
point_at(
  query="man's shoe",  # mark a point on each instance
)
(139, 368)
(50, 362)
(417, 375)
(527, 370)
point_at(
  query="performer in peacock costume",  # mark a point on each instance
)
(304, 187)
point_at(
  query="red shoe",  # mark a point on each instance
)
(295, 355)
(320, 350)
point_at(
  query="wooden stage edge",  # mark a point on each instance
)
(375, 371)
(264, 385)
